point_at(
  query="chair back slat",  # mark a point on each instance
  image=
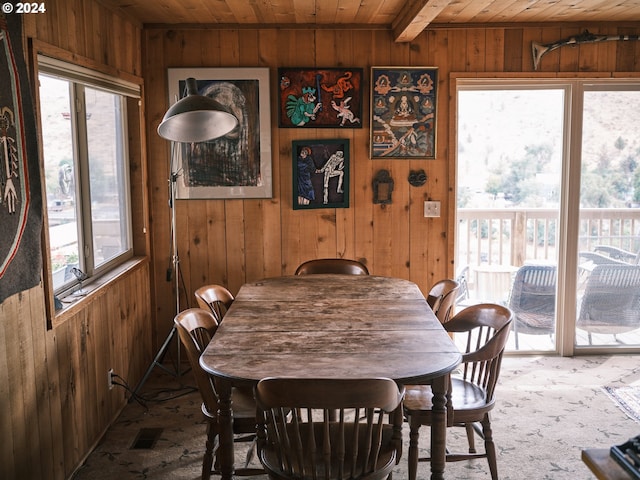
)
(314, 442)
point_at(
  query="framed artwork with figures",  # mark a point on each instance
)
(320, 173)
(320, 97)
(403, 112)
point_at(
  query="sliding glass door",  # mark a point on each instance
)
(608, 288)
(528, 226)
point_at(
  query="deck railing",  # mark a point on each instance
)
(511, 236)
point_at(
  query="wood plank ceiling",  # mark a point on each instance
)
(406, 18)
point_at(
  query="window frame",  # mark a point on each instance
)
(128, 92)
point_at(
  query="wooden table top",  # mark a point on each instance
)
(334, 326)
(603, 465)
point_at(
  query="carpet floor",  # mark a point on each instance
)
(548, 409)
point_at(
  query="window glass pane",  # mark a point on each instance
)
(510, 147)
(60, 175)
(608, 295)
(107, 176)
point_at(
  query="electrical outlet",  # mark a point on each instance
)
(432, 209)
(110, 376)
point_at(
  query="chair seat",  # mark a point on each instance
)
(270, 456)
(464, 396)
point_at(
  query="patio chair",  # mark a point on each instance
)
(611, 300)
(606, 254)
(533, 300)
(463, 280)
(307, 444)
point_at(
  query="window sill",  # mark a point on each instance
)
(97, 287)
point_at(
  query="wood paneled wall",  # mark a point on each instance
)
(54, 403)
(233, 241)
(54, 400)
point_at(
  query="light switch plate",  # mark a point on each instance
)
(432, 209)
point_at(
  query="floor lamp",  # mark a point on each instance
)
(194, 118)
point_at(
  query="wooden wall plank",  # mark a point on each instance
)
(52, 413)
(566, 56)
(513, 57)
(28, 395)
(40, 377)
(58, 470)
(627, 53)
(365, 54)
(476, 48)
(270, 208)
(494, 54)
(8, 417)
(249, 45)
(588, 59)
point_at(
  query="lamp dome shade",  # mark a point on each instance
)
(196, 118)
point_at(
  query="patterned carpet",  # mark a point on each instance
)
(548, 410)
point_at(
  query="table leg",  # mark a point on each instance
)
(439, 388)
(225, 423)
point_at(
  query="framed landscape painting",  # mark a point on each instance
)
(403, 112)
(320, 97)
(320, 174)
(237, 165)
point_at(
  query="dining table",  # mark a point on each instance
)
(330, 326)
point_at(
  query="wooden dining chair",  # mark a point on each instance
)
(359, 444)
(332, 265)
(215, 298)
(441, 298)
(196, 327)
(486, 329)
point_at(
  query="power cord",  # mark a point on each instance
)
(158, 395)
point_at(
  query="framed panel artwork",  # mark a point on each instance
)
(237, 165)
(403, 112)
(320, 174)
(320, 97)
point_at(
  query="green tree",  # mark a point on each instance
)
(517, 182)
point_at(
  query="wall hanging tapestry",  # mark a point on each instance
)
(403, 112)
(21, 199)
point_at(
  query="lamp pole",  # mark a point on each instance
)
(193, 118)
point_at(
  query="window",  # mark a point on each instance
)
(84, 145)
(547, 186)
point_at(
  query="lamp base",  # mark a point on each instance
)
(157, 362)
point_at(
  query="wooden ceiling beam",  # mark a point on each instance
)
(414, 18)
